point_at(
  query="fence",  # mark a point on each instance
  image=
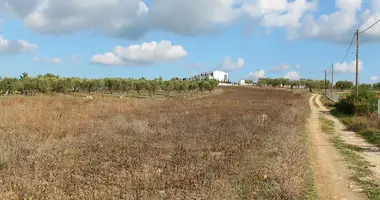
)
(332, 96)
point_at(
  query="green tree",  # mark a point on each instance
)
(140, 85)
(11, 85)
(376, 86)
(344, 85)
(184, 86)
(167, 87)
(202, 85)
(213, 84)
(43, 85)
(152, 86)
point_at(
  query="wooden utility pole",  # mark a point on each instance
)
(332, 79)
(325, 86)
(357, 64)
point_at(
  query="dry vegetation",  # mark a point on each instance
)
(216, 147)
(368, 126)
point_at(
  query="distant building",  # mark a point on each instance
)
(242, 82)
(218, 75)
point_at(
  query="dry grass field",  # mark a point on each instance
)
(216, 147)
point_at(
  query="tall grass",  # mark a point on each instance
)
(242, 144)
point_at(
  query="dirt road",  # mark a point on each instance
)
(369, 152)
(331, 173)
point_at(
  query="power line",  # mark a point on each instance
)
(370, 26)
(348, 50)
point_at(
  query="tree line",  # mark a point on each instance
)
(348, 85)
(314, 84)
(283, 82)
(50, 83)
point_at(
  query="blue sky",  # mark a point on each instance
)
(94, 38)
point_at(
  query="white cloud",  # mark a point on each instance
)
(229, 65)
(346, 67)
(15, 46)
(108, 58)
(340, 25)
(281, 67)
(290, 17)
(193, 17)
(145, 54)
(298, 66)
(123, 18)
(47, 60)
(256, 75)
(349, 5)
(132, 18)
(292, 76)
(374, 78)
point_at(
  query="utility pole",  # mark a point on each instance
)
(325, 86)
(332, 79)
(357, 64)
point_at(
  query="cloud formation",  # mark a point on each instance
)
(15, 46)
(141, 55)
(292, 76)
(131, 19)
(347, 67)
(121, 18)
(47, 60)
(229, 65)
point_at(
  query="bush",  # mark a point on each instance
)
(346, 105)
(366, 102)
(365, 108)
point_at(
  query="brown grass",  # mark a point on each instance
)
(217, 147)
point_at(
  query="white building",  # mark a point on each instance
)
(218, 75)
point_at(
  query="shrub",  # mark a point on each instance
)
(346, 105)
(366, 102)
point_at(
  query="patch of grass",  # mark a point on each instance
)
(371, 135)
(360, 167)
(365, 126)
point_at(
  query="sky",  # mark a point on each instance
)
(181, 38)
